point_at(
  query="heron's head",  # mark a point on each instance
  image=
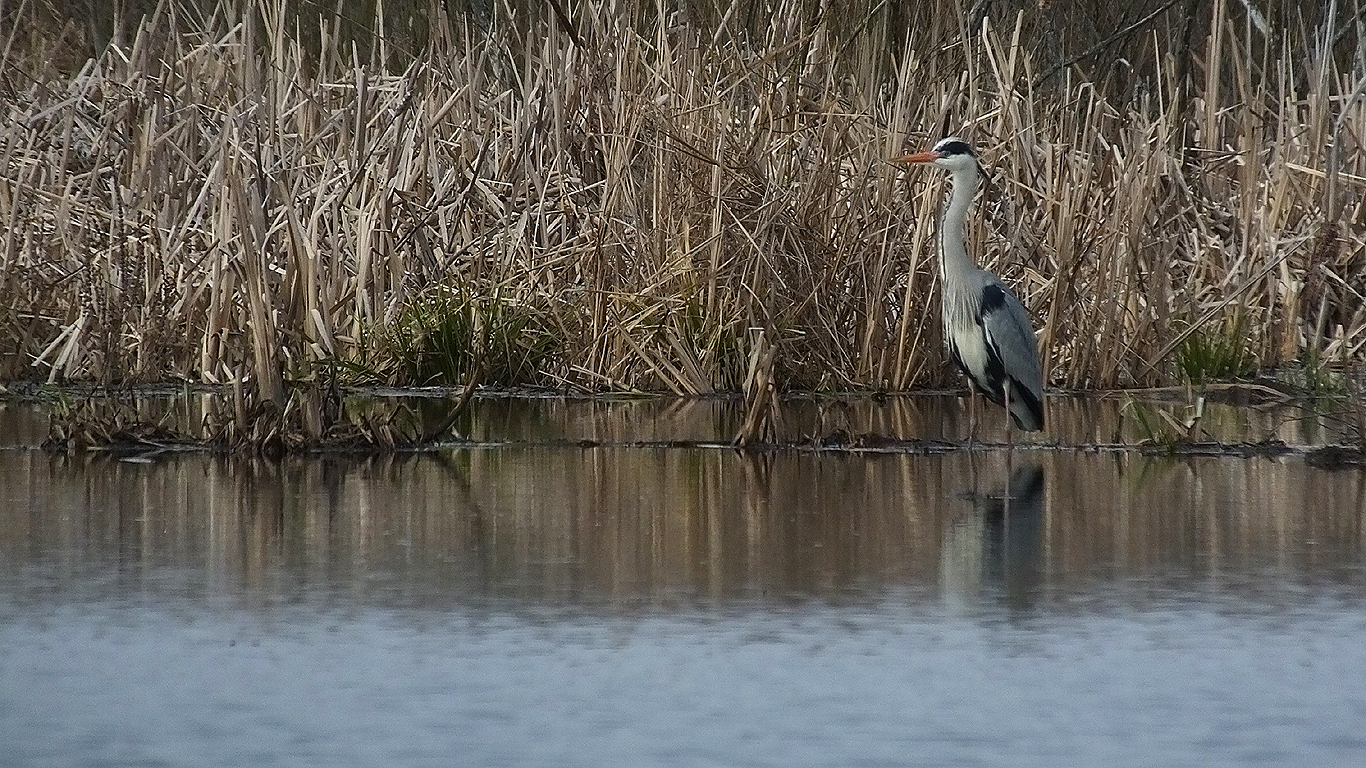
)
(952, 154)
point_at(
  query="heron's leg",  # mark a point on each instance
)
(1005, 390)
(1010, 456)
(972, 414)
(972, 470)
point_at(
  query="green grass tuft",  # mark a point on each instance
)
(1216, 353)
(445, 336)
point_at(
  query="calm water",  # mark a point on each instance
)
(562, 606)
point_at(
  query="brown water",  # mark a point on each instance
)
(539, 604)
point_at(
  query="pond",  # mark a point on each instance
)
(570, 591)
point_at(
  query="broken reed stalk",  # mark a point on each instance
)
(219, 202)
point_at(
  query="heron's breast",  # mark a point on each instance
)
(962, 332)
(970, 345)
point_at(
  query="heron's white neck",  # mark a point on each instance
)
(954, 264)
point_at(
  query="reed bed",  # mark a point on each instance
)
(613, 196)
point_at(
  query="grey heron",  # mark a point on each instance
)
(986, 328)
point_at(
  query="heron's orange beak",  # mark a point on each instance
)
(919, 157)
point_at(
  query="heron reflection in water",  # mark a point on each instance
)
(998, 543)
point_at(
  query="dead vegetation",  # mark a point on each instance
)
(667, 201)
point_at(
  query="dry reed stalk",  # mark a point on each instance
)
(217, 201)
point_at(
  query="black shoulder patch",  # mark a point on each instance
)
(993, 298)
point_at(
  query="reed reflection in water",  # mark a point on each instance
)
(562, 606)
(548, 526)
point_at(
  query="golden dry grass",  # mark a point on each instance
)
(680, 206)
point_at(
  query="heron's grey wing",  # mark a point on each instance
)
(1010, 336)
